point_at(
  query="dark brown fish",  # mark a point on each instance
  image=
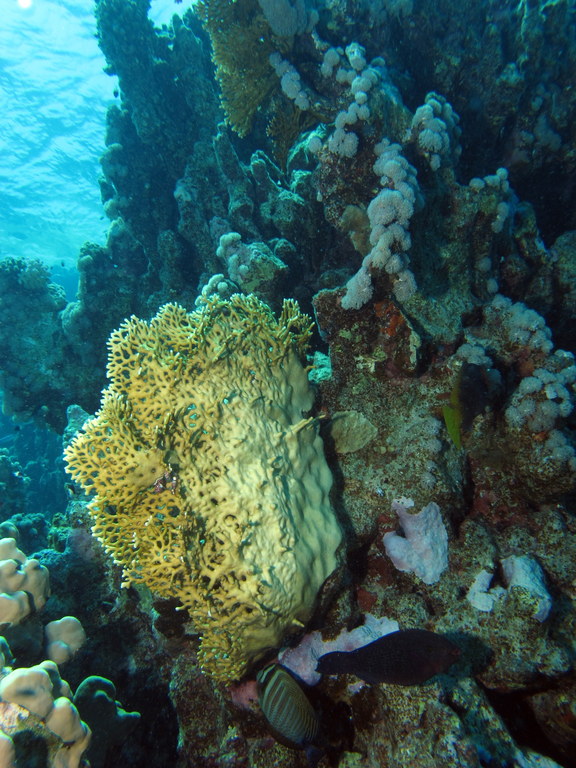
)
(406, 657)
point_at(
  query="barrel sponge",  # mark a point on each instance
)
(210, 480)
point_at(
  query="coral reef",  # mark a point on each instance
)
(36, 707)
(13, 484)
(31, 390)
(405, 171)
(40, 719)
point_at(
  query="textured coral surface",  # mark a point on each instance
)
(211, 485)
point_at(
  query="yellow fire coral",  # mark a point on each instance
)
(242, 42)
(210, 481)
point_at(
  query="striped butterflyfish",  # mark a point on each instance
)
(291, 717)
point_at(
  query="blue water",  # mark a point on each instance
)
(53, 100)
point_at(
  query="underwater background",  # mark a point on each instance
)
(287, 299)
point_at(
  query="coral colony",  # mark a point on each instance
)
(316, 396)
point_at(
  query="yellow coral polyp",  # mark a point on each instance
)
(209, 477)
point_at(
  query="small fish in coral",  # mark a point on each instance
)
(405, 657)
(290, 716)
(70, 489)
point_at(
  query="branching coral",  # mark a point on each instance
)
(242, 42)
(211, 486)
